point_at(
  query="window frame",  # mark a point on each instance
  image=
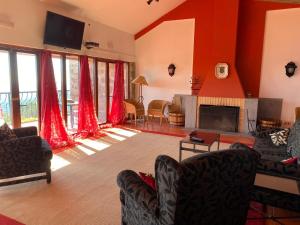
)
(16, 113)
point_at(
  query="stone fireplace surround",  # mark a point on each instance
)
(191, 107)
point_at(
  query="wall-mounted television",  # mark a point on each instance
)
(63, 31)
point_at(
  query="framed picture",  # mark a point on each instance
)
(221, 70)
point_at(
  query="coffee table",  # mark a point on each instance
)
(209, 139)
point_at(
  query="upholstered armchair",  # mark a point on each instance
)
(207, 189)
(28, 154)
(156, 108)
(135, 108)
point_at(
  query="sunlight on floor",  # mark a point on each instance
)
(114, 136)
(90, 146)
(95, 145)
(58, 162)
(85, 150)
(122, 132)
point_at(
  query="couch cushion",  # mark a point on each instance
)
(293, 146)
(270, 151)
(6, 133)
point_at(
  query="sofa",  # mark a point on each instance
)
(271, 164)
(211, 188)
(28, 154)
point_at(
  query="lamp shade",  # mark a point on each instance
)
(140, 80)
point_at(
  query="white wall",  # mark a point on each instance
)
(28, 18)
(170, 42)
(281, 45)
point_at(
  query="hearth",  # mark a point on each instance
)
(216, 117)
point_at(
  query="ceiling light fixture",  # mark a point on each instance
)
(150, 1)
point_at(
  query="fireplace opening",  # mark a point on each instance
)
(223, 118)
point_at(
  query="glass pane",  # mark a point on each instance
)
(126, 80)
(58, 73)
(5, 91)
(102, 98)
(27, 77)
(111, 82)
(92, 74)
(72, 66)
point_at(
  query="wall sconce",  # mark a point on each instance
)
(290, 69)
(150, 1)
(171, 69)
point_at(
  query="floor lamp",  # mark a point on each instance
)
(140, 80)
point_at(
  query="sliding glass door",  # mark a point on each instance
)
(102, 92)
(28, 92)
(19, 89)
(72, 72)
(5, 88)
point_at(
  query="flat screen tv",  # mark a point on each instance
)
(63, 31)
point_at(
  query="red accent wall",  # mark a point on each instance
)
(250, 41)
(225, 31)
(225, 22)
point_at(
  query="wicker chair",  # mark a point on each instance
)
(156, 108)
(176, 115)
(134, 108)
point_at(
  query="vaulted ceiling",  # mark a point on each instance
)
(129, 15)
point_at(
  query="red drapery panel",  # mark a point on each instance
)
(52, 127)
(116, 115)
(87, 119)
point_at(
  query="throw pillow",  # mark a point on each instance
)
(280, 137)
(6, 133)
(148, 179)
(293, 146)
(290, 161)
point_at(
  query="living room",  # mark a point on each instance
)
(130, 82)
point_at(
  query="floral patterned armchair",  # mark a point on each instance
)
(207, 189)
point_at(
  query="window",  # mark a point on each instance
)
(126, 80)
(28, 94)
(102, 92)
(5, 89)
(72, 73)
(19, 82)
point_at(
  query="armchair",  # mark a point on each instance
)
(132, 107)
(211, 188)
(28, 154)
(156, 108)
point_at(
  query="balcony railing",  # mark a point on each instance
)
(28, 105)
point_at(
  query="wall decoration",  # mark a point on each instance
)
(171, 69)
(221, 70)
(290, 69)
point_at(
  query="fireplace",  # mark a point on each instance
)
(216, 117)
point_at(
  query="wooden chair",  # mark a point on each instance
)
(297, 113)
(156, 108)
(134, 108)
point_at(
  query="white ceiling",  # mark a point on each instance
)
(127, 15)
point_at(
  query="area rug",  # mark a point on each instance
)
(83, 188)
(4, 220)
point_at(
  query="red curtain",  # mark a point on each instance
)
(52, 127)
(87, 119)
(116, 115)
